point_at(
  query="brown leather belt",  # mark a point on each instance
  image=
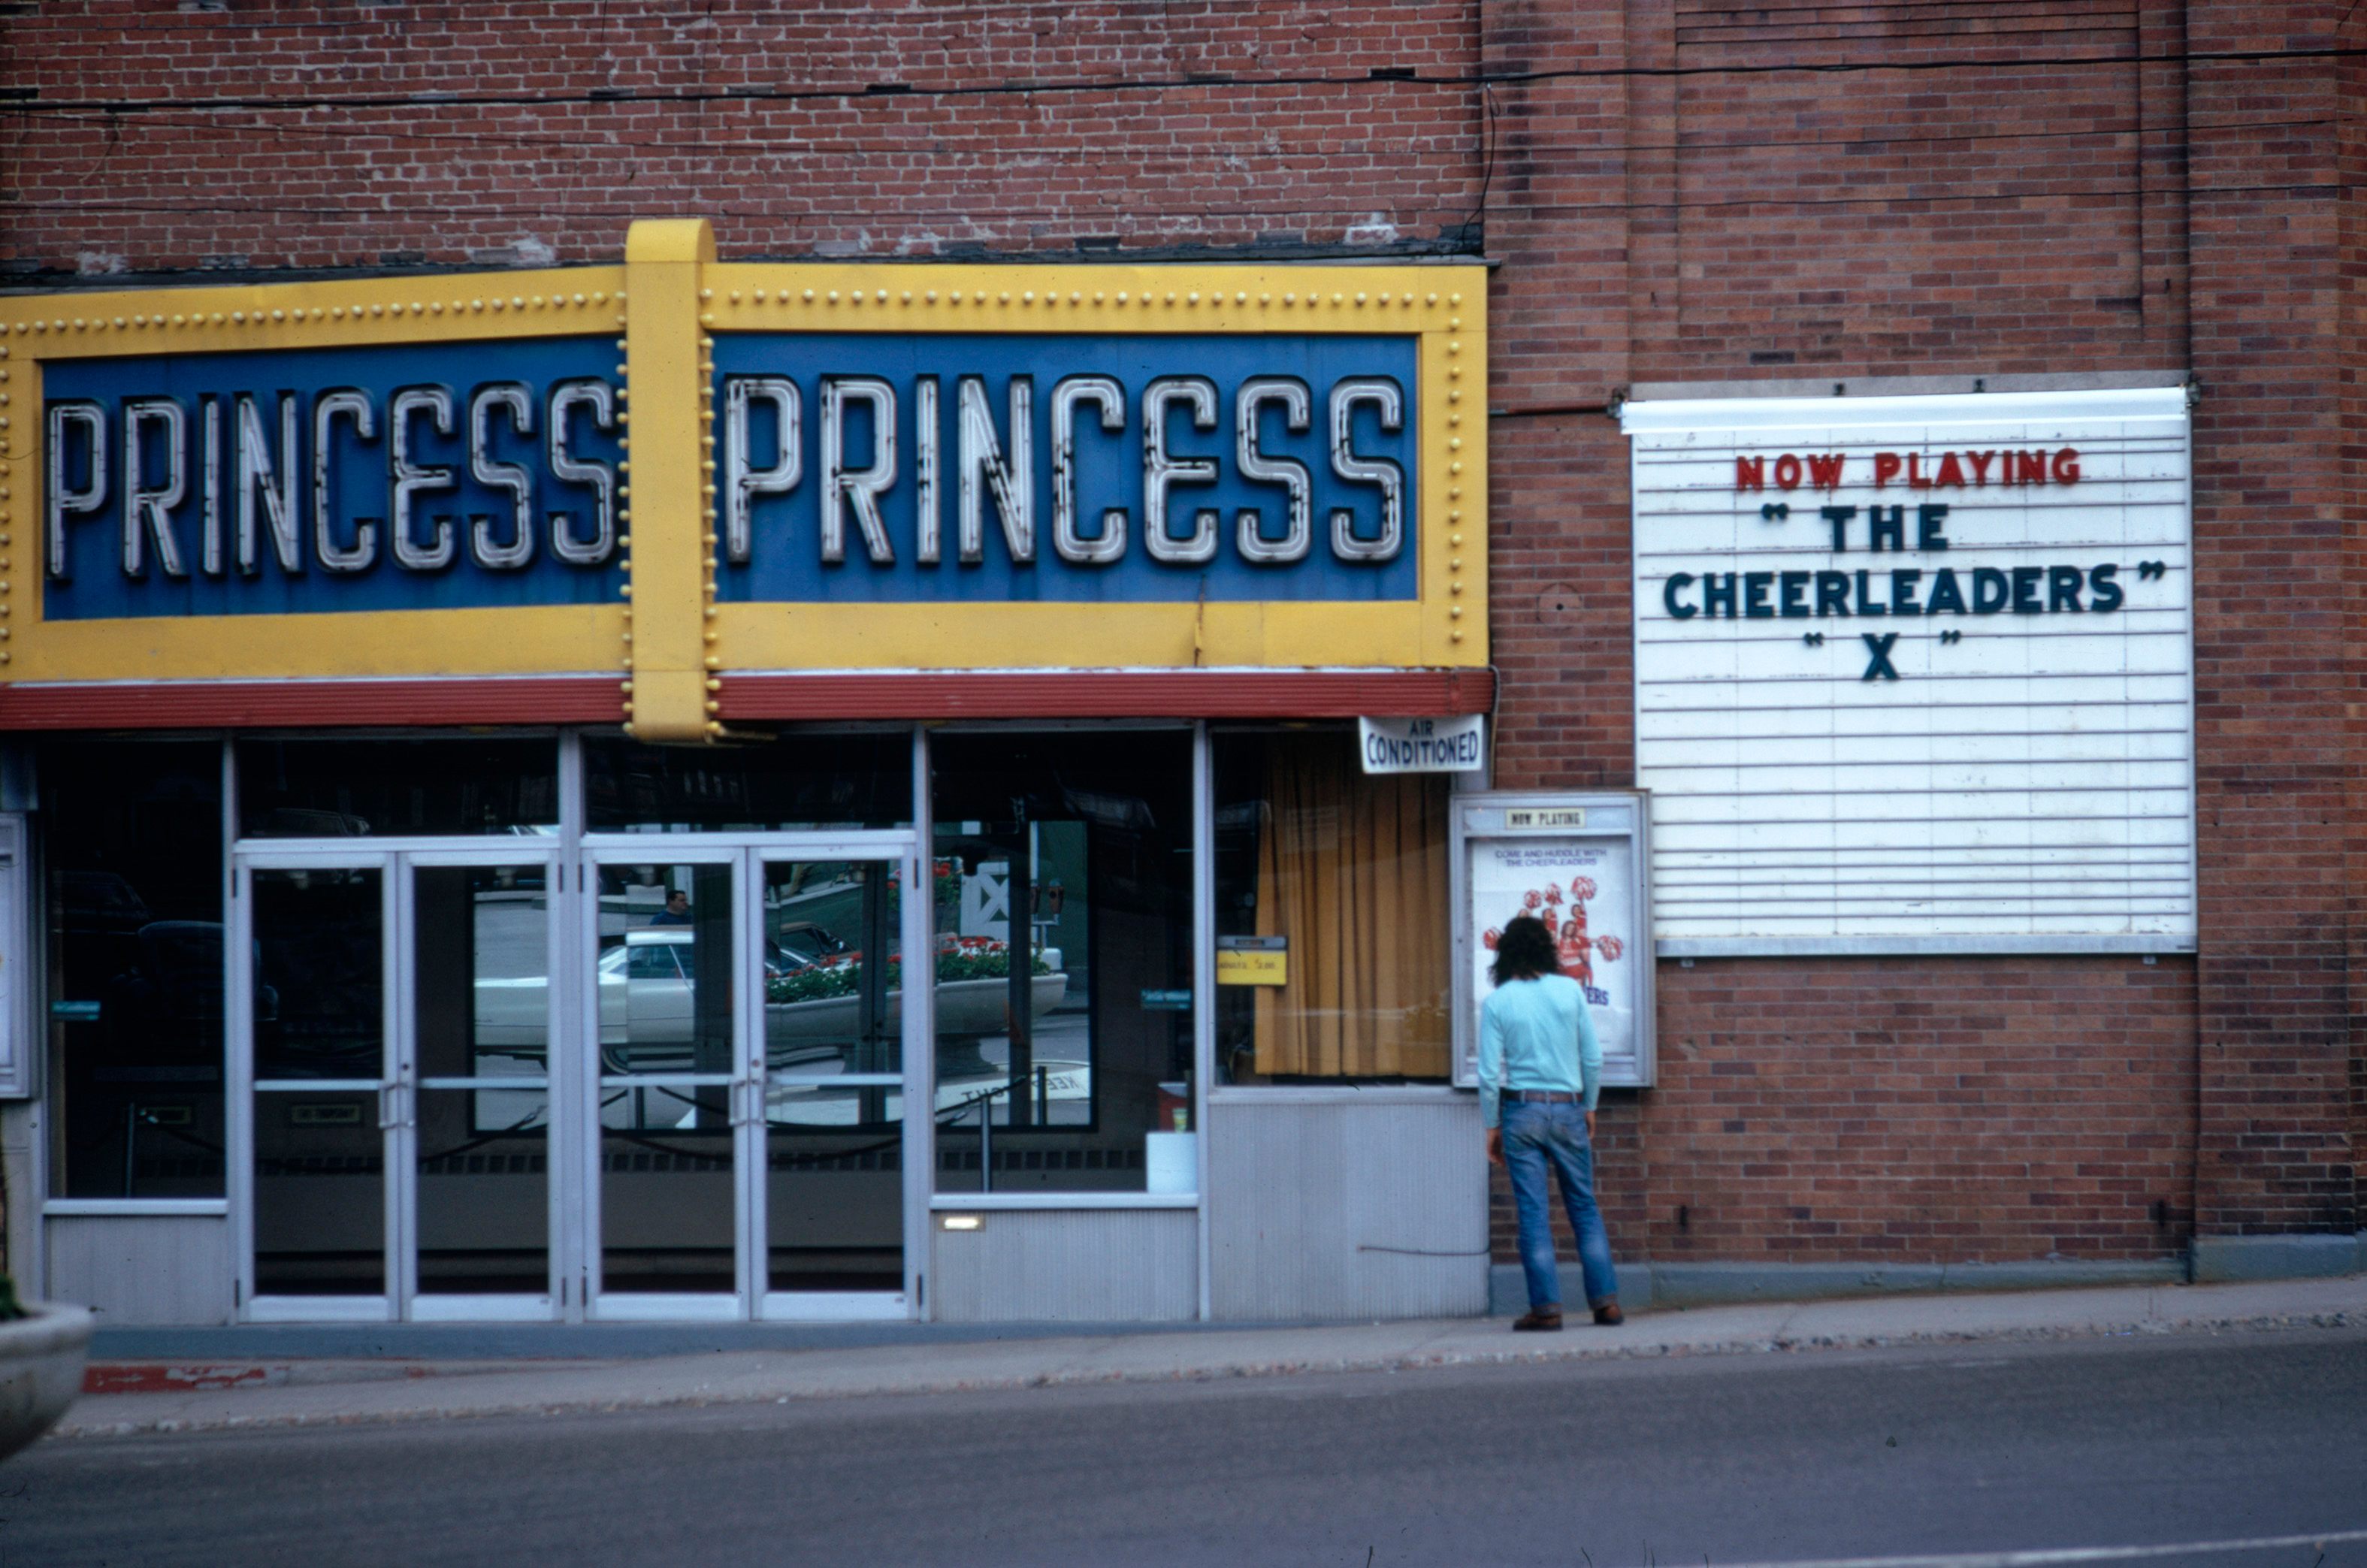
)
(1543, 1096)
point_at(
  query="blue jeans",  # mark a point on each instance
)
(1535, 1136)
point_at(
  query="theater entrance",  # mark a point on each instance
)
(663, 1079)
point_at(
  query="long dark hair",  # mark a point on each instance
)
(1524, 951)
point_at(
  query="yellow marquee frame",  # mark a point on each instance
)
(672, 642)
(36, 331)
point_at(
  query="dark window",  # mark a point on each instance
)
(330, 789)
(804, 779)
(131, 839)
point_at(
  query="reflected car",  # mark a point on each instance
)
(647, 988)
(800, 943)
(649, 994)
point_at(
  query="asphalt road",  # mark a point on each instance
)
(1737, 1459)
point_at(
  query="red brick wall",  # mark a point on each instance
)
(1996, 189)
(2352, 346)
(2273, 690)
(1695, 193)
(293, 135)
(1908, 1111)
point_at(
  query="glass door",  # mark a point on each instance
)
(670, 1097)
(480, 947)
(319, 1102)
(466, 1090)
(395, 1023)
(830, 1203)
(745, 1101)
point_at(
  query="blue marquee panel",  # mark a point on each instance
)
(95, 585)
(785, 561)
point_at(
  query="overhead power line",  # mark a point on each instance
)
(1188, 82)
(607, 206)
(840, 149)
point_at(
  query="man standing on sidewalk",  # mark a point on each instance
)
(1540, 1068)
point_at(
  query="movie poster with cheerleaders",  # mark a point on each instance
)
(1583, 890)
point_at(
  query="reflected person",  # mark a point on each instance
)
(676, 912)
(1541, 1067)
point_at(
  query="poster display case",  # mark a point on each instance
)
(1580, 863)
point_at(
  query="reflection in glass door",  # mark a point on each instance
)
(397, 1045)
(833, 1135)
(668, 1081)
(480, 953)
(466, 1085)
(325, 1100)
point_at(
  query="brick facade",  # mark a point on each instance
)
(1702, 193)
(292, 136)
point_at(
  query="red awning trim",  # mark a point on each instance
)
(745, 696)
(242, 705)
(1108, 693)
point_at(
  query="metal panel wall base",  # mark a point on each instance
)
(142, 1269)
(1069, 1266)
(20, 1201)
(1330, 1209)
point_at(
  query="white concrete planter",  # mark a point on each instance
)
(41, 1360)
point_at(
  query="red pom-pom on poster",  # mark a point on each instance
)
(1610, 947)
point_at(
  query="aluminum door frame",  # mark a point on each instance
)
(747, 852)
(398, 1085)
(239, 1109)
(557, 1065)
(582, 1048)
(900, 848)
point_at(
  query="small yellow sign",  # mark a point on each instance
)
(1252, 961)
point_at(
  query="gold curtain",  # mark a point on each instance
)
(1353, 871)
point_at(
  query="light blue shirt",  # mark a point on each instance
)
(1537, 1034)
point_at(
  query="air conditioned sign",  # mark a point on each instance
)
(1455, 745)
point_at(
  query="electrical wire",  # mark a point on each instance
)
(1190, 82)
(1007, 215)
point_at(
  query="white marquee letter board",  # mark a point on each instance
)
(1915, 673)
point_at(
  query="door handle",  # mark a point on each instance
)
(394, 1106)
(747, 1102)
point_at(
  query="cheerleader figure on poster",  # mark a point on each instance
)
(1564, 913)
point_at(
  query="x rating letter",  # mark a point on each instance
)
(1879, 665)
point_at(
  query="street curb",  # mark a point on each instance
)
(1585, 1347)
(1649, 1286)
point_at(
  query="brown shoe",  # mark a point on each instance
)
(1538, 1320)
(1608, 1314)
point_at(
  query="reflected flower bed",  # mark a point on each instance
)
(840, 973)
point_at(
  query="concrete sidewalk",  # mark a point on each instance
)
(192, 1395)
